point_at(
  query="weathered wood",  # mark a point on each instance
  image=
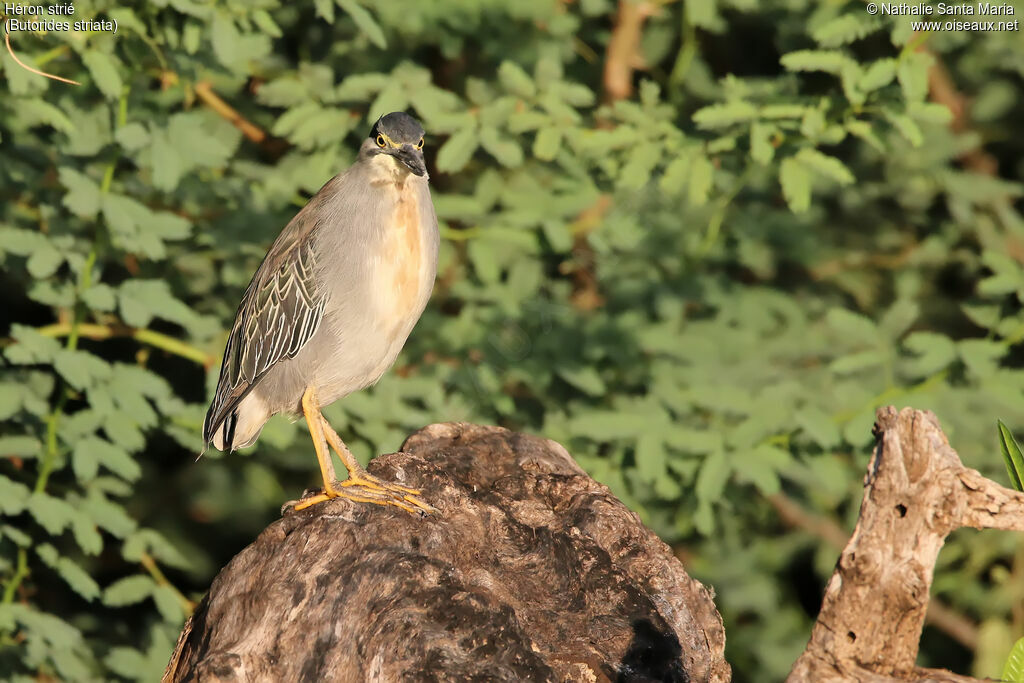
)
(916, 492)
(530, 571)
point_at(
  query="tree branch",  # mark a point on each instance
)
(622, 56)
(916, 493)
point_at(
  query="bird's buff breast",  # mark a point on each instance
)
(402, 277)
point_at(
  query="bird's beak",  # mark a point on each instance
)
(412, 158)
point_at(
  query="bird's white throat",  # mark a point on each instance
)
(388, 169)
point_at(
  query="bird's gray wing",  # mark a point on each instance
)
(280, 310)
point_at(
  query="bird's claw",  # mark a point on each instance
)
(370, 490)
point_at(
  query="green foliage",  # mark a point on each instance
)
(703, 290)
(1012, 457)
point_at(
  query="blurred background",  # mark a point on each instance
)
(697, 242)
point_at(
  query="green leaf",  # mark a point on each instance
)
(19, 537)
(547, 143)
(515, 80)
(13, 496)
(912, 73)
(325, 9)
(168, 166)
(724, 115)
(283, 92)
(864, 131)
(501, 147)
(81, 369)
(365, 21)
(830, 61)
(44, 261)
(713, 476)
(585, 378)
(784, 111)
(100, 297)
(53, 514)
(878, 75)
(934, 352)
(701, 178)
(759, 466)
(1013, 670)
(796, 185)
(168, 605)
(128, 662)
(761, 148)
(639, 164)
(128, 591)
(31, 347)
(150, 541)
(456, 152)
(76, 577)
(266, 23)
(483, 255)
(142, 300)
(104, 72)
(650, 457)
(930, 112)
(19, 446)
(93, 451)
(824, 165)
(21, 242)
(123, 430)
(83, 197)
(818, 426)
(87, 536)
(906, 127)
(10, 399)
(676, 174)
(855, 362)
(981, 356)
(853, 328)
(846, 28)
(1011, 456)
(108, 515)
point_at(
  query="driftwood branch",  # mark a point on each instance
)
(532, 571)
(916, 492)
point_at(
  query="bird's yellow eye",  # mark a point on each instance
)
(380, 141)
(419, 145)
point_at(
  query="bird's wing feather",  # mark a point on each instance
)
(280, 311)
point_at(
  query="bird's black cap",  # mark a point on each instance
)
(398, 126)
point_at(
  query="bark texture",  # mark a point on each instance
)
(916, 492)
(531, 571)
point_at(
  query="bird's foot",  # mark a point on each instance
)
(370, 490)
(394, 492)
(363, 478)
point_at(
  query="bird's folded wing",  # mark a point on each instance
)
(281, 309)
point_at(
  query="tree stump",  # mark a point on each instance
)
(530, 570)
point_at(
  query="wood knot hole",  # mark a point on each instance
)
(901, 509)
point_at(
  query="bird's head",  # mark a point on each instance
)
(400, 136)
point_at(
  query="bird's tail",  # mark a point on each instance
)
(242, 426)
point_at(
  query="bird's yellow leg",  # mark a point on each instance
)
(358, 476)
(356, 473)
(311, 410)
(360, 491)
